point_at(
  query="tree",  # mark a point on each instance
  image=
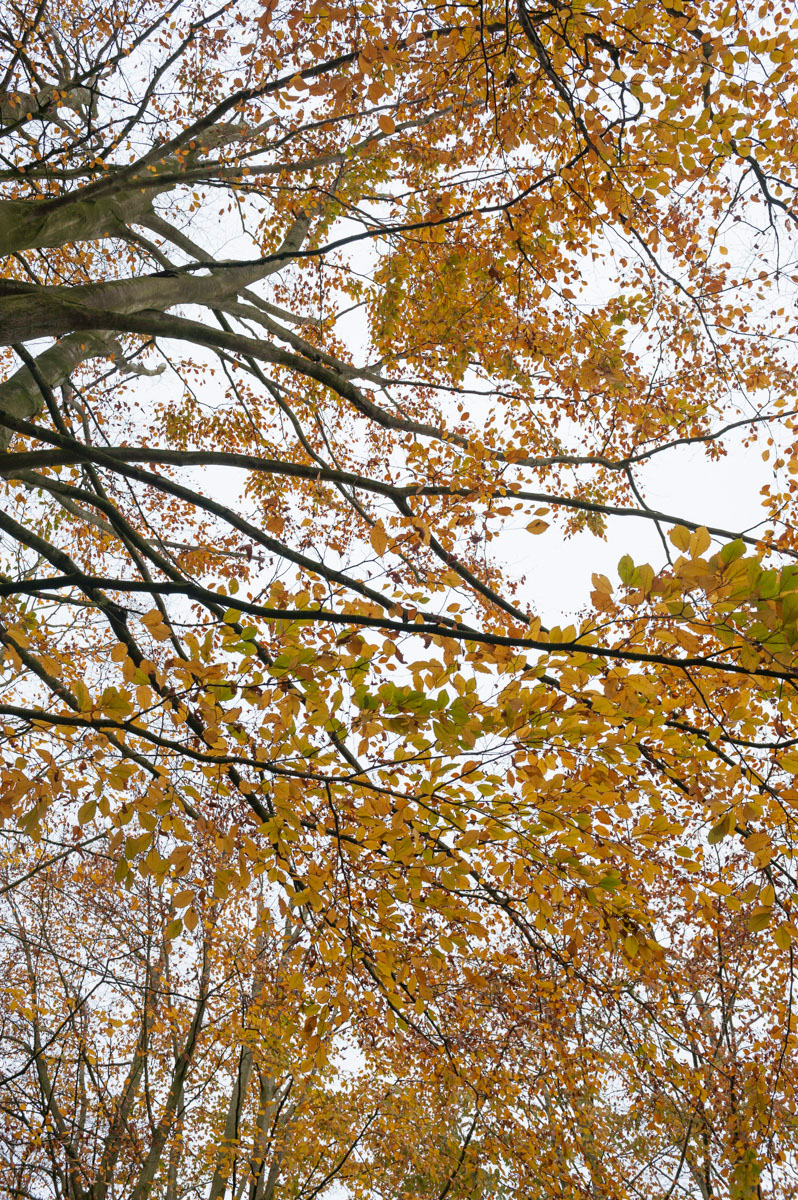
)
(302, 309)
(136, 1065)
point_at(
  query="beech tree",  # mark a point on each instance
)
(139, 1060)
(311, 315)
(137, 1065)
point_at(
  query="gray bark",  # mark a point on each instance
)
(16, 108)
(29, 310)
(219, 1181)
(174, 1098)
(20, 395)
(104, 207)
(43, 224)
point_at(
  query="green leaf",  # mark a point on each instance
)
(86, 812)
(769, 584)
(759, 919)
(732, 551)
(626, 569)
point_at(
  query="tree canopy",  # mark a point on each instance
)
(330, 866)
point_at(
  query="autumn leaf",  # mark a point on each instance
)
(379, 538)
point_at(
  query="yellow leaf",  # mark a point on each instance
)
(180, 859)
(723, 828)
(379, 538)
(86, 812)
(781, 936)
(154, 624)
(602, 584)
(680, 537)
(699, 542)
(136, 845)
(153, 617)
(759, 919)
